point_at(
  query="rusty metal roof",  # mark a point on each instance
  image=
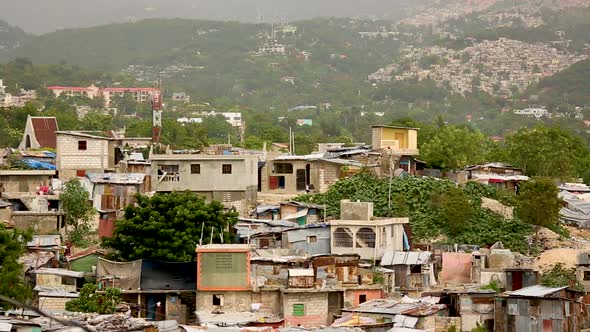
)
(45, 128)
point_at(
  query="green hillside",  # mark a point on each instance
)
(571, 86)
(117, 45)
(11, 37)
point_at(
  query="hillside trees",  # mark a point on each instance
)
(168, 227)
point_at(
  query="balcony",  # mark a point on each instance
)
(392, 147)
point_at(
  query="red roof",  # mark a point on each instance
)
(129, 89)
(71, 88)
(44, 129)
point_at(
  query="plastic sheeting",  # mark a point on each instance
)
(36, 164)
(128, 273)
(157, 275)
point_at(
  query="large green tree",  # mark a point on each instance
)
(12, 283)
(75, 204)
(538, 203)
(548, 151)
(168, 227)
(452, 148)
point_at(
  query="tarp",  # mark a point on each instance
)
(456, 268)
(36, 164)
(128, 273)
(157, 275)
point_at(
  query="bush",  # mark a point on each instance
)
(90, 301)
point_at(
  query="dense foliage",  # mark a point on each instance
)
(12, 282)
(538, 203)
(415, 197)
(75, 203)
(90, 301)
(168, 227)
(559, 276)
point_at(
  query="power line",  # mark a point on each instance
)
(42, 313)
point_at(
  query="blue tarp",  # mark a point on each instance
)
(36, 164)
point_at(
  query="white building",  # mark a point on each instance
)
(533, 113)
(233, 118)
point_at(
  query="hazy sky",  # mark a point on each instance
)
(40, 16)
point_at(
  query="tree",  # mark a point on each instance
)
(453, 148)
(90, 301)
(74, 200)
(12, 283)
(544, 151)
(168, 227)
(455, 209)
(538, 203)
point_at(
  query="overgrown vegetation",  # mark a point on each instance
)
(91, 301)
(75, 202)
(168, 227)
(12, 282)
(559, 276)
(413, 197)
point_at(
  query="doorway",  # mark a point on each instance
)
(301, 179)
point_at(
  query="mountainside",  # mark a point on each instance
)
(46, 16)
(11, 37)
(569, 87)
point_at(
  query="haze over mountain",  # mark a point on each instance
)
(45, 16)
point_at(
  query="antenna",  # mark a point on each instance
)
(261, 11)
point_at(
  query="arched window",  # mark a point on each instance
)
(365, 238)
(342, 237)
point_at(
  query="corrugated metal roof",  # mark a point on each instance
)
(45, 241)
(300, 272)
(60, 272)
(405, 258)
(116, 178)
(45, 128)
(313, 156)
(536, 291)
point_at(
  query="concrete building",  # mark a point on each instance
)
(55, 287)
(140, 95)
(398, 146)
(39, 133)
(358, 232)
(78, 153)
(230, 179)
(295, 174)
(181, 97)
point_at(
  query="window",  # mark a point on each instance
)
(218, 300)
(342, 237)
(195, 168)
(586, 275)
(299, 309)
(283, 168)
(362, 298)
(169, 173)
(416, 269)
(365, 238)
(81, 145)
(312, 239)
(226, 169)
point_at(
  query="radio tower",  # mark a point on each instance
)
(261, 12)
(157, 114)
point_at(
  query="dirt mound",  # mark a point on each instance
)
(567, 256)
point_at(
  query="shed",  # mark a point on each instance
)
(413, 269)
